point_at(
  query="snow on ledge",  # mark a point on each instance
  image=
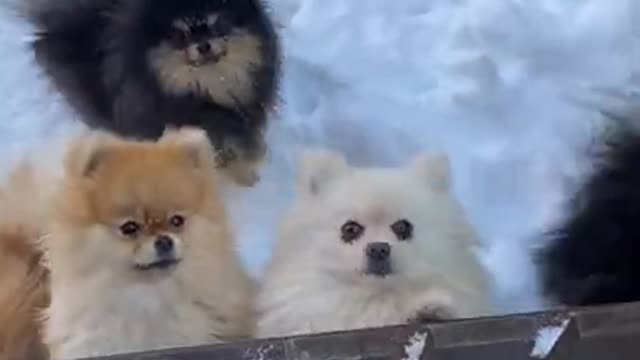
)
(416, 346)
(546, 340)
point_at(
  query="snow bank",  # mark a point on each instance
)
(497, 84)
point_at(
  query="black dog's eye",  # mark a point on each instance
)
(403, 229)
(179, 37)
(223, 25)
(351, 231)
(130, 228)
(177, 221)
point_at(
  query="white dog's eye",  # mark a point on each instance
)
(351, 231)
(403, 229)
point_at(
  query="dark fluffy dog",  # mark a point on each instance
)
(593, 255)
(134, 67)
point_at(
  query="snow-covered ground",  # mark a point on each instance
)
(496, 83)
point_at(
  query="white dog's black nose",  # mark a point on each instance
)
(163, 245)
(378, 259)
(378, 251)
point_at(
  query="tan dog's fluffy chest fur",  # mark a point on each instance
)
(89, 322)
(183, 310)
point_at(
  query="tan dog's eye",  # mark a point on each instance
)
(177, 221)
(130, 228)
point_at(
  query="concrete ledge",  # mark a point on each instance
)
(598, 333)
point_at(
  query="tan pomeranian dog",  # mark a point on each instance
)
(368, 247)
(23, 278)
(140, 252)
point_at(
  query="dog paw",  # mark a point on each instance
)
(247, 178)
(237, 168)
(224, 157)
(242, 174)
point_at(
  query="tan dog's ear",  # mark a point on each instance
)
(195, 143)
(318, 169)
(87, 152)
(434, 169)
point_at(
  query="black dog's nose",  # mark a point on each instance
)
(163, 245)
(204, 48)
(378, 251)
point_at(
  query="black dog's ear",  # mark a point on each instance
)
(85, 155)
(135, 112)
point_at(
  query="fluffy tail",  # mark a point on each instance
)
(593, 255)
(68, 43)
(23, 279)
(54, 16)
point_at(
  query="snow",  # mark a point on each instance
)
(546, 340)
(416, 345)
(263, 352)
(499, 85)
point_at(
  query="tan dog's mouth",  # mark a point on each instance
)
(162, 264)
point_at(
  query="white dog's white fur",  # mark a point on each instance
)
(316, 282)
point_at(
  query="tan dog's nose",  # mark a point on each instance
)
(164, 245)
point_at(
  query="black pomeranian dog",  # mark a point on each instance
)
(593, 256)
(134, 67)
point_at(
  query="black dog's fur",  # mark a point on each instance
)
(97, 54)
(593, 256)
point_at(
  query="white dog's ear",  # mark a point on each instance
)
(318, 168)
(434, 169)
